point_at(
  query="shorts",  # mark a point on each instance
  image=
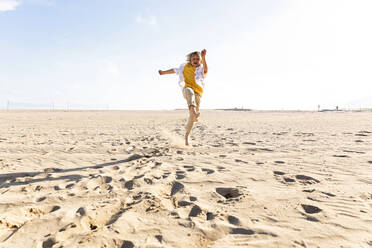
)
(192, 98)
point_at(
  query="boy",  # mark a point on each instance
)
(191, 79)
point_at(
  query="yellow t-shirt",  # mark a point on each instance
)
(189, 77)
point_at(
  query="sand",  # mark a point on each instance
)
(125, 179)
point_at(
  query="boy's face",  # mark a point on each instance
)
(195, 60)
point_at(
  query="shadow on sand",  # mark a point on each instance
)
(12, 177)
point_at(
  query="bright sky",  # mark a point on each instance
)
(261, 54)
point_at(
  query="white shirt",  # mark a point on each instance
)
(199, 75)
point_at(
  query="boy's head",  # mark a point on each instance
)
(194, 58)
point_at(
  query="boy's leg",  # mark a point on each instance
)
(190, 124)
(197, 101)
(189, 95)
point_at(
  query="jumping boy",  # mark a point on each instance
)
(191, 76)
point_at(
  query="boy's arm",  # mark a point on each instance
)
(205, 66)
(170, 71)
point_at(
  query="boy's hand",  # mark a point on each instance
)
(203, 53)
(161, 72)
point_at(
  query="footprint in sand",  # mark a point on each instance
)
(81, 211)
(99, 182)
(159, 238)
(184, 203)
(189, 167)
(176, 187)
(157, 164)
(208, 171)
(129, 184)
(266, 149)
(328, 194)
(309, 190)
(49, 243)
(249, 143)
(54, 208)
(41, 199)
(278, 177)
(195, 211)
(241, 161)
(210, 216)
(341, 156)
(127, 244)
(303, 179)
(311, 209)
(289, 180)
(71, 225)
(279, 162)
(43, 210)
(147, 180)
(153, 205)
(175, 215)
(241, 231)
(139, 176)
(310, 218)
(228, 193)
(180, 174)
(221, 169)
(361, 134)
(306, 179)
(69, 186)
(233, 220)
(165, 175)
(38, 188)
(313, 199)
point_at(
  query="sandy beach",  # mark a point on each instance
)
(124, 179)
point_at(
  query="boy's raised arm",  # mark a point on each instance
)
(203, 53)
(170, 71)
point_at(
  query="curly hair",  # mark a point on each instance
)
(189, 56)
